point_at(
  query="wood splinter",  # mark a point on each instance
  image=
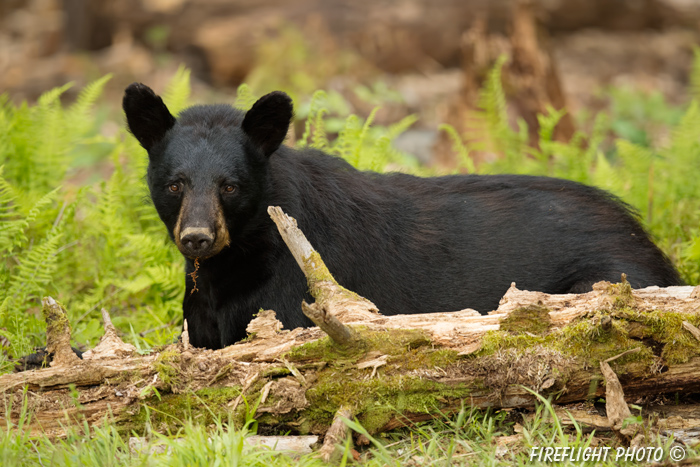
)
(617, 409)
(185, 337)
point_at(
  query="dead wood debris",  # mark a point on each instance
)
(615, 405)
(290, 444)
(692, 329)
(110, 346)
(58, 333)
(336, 435)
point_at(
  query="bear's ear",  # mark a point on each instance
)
(146, 115)
(267, 122)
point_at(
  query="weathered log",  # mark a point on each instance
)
(409, 367)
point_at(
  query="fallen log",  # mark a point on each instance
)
(395, 369)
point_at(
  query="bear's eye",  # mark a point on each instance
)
(174, 187)
(229, 188)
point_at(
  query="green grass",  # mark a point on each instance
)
(471, 437)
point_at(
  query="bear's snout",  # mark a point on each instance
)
(196, 241)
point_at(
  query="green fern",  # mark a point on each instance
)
(38, 143)
(244, 98)
(23, 284)
(695, 75)
(35, 270)
(396, 129)
(458, 146)
(381, 154)
(357, 159)
(8, 199)
(177, 92)
(314, 126)
(79, 115)
(344, 145)
(490, 130)
(492, 99)
(319, 140)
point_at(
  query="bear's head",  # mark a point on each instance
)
(207, 170)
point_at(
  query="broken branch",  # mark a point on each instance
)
(58, 333)
(336, 434)
(333, 302)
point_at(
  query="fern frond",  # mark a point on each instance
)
(344, 145)
(51, 97)
(78, 114)
(635, 157)
(12, 225)
(318, 101)
(14, 233)
(47, 159)
(605, 175)
(8, 196)
(695, 75)
(6, 121)
(489, 129)
(492, 98)
(357, 153)
(244, 98)
(458, 146)
(35, 270)
(684, 137)
(319, 140)
(401, 126)
(39, 206)
(381, 153)
(177, 92)
(600, 127)
(549, 121)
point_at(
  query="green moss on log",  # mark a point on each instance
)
(167, 365)
(533, 319)
(395, 342)
(169, 412)
(317, 273)
(657, 335)
(377, 399)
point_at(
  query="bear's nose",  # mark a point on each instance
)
(197, 240)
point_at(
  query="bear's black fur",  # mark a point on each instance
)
(409, 244)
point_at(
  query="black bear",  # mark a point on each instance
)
(409, 244)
